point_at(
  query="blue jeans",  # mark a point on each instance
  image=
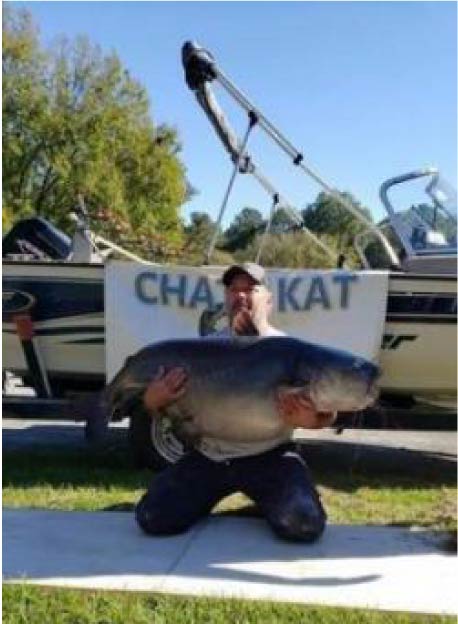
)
(278, 481)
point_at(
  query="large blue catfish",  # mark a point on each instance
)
(232, 383)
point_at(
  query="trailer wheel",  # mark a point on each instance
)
(153, 441)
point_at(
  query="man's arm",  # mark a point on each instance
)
(296, 410)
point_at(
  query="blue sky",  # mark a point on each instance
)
(366, 90)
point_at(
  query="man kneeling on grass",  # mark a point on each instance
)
(272, 473)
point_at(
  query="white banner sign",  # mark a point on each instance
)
(148, 303)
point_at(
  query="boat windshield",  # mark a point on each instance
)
(429, 226)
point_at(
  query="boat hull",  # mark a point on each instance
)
(418, 353)
(419, 349)
(68, 322)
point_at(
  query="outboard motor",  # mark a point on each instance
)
(36, 239)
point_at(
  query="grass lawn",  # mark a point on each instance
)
(79, 479)
(24, 604)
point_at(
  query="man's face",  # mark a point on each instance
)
(239, 294)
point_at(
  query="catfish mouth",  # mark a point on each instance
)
(369, 395)
(339, 391)
(373, 387)
(370, 399)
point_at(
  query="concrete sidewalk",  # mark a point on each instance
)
(375, 567)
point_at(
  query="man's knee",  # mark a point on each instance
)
(153, 522)
(299, 524)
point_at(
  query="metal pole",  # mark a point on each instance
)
(268, 226)
(292, 212)
(252, 122)
(298, 158)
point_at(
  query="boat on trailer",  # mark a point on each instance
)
(421, 308)
(418, 350)
(58, 283)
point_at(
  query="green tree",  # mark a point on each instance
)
(198, 235)
(327, 216)
(243, 229)
(75, 122)
(281, 222)
(291, 249)
(24, 103)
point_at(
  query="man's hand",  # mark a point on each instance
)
(261, 306)
(296, 410)
(242, 323)
(253, 321)
(165, 388)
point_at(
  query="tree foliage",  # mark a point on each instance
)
(288, 246)
(75, 122)
(243, 229)
(327, 216)
(281, 222)
(291, 249)
(198, 235)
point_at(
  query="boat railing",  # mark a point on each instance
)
(90, 247)
(418, 235)
(200, 70)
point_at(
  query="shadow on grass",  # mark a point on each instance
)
(59, 466)
(344, 467)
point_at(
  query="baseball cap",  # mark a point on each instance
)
(255, 271)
